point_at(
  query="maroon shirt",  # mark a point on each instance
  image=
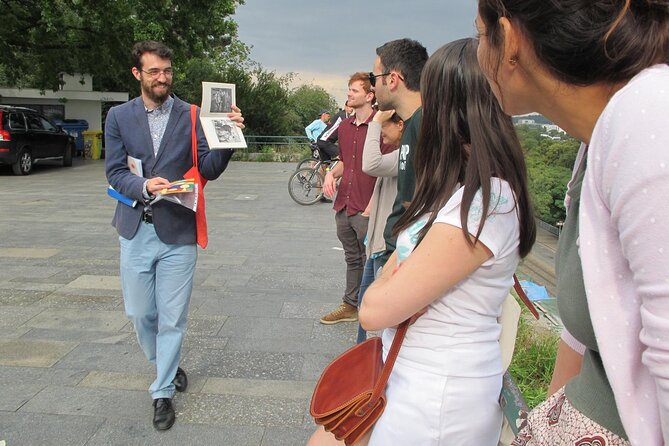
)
(356, 187)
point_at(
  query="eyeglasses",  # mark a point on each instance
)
(156, 72)
(372, 77)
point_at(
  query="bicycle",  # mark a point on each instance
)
(305, 185)
(311, 160)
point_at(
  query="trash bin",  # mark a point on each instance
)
(74, 127)
(92, 144)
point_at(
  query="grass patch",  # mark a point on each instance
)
(533, 359)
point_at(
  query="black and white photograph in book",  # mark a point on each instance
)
(225, 130)
(221, 100)
(217, 101)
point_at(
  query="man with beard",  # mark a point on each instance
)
(158, 241)
(396, 81)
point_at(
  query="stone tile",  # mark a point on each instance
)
(82, 301)
(112, 358)
(21, 298)
(205, 324)
(141, 433)
(19, 428)
(77, 336)
(15, 332)
(235, 364)
(96, 282)
(26, 353)
(281, 436)
(290, 345)
(211, 342)
(239, 307)
(77, 319)
(260, 387)
(13, 317)
(314, 364)
(214, 281)
(12, 376)
(29, 285)
(309, 310)
(31, 253)
(87, 401)
(117, 380)
(344, 331)
(16, 395)
(240, 410)
(258, 328)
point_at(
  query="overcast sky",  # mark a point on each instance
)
(326, 41)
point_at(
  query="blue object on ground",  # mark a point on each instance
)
(534, 292)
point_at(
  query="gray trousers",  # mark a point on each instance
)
(351, 231)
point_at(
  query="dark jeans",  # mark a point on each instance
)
(351, 231)
(369, 273)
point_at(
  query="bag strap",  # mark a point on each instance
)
(380, 386)
(523, 297)
(193, 119)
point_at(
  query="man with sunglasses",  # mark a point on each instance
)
(396, 81)
(158, 240)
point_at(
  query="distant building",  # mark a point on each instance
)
(525, 121)
(75, 100)
(549, 127)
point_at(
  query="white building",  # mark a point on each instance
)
(549, 127)
(75, 100)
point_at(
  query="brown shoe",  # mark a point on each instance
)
(344, 313)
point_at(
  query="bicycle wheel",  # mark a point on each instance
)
(307, 162)
(305, 186)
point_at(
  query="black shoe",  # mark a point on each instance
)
(180, 380)
(163, 414)
(325, 200)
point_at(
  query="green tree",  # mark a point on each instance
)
(305, 102)
(549, 165)
(41, 38)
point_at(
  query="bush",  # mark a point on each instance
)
(273, 153)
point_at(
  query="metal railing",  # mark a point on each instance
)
(285, 140)
(548, 227)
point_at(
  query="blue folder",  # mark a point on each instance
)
(120, 197)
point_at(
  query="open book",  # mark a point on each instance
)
(183, 192)
(217, 102)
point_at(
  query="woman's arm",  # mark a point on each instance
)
(567, 365)
(374, 162)
(440, 261)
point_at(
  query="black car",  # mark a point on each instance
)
(27, 137)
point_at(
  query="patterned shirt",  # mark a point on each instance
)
(158, 118)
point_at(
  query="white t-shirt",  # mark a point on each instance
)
(459, 333)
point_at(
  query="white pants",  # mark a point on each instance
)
(426, 409)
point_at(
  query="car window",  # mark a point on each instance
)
(34, 122)
(16, 121)
(47, 125)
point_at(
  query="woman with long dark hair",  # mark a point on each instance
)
(459, 243)
(598, 69)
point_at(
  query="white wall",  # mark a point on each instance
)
(88, 110)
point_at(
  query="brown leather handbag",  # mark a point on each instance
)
(350, 394)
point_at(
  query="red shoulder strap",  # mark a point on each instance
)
(521, 293)
(193, 119)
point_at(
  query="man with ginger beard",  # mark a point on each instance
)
(158, 240)
(353, 193)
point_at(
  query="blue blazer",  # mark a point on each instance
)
(127, 133)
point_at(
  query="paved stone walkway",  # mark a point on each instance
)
(70, 367)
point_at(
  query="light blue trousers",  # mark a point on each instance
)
(157, 279)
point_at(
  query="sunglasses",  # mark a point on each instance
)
(372, 77)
